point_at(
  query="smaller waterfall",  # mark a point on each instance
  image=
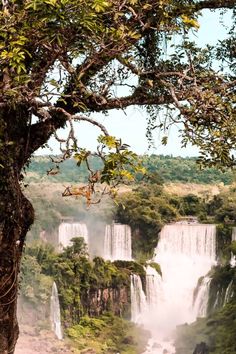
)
(233, 258)
(201, 298)
(138, 299)
(117, 243)
(229, 292)
(217, 300)
(55, 314)
(69, 230)
(154, 289)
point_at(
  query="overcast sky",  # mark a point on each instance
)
(131, 127)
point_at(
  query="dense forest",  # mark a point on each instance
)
(159, 167)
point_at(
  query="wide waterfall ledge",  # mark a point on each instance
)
(69, 230)
(117, 242)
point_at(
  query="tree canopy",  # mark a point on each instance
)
(64, 59)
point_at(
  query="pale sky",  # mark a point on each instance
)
(131, 127)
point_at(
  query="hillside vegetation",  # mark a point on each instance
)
(162, 168)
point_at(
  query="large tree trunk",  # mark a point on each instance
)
(19, 138)
(15, 219)
(16, 216)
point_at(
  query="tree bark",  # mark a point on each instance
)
(16, 216)
(15, 219)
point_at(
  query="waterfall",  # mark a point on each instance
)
(185, 253)
(200, 303)
(190, 240)
(117, 243)
(229, 292)
(142, 304)
(153, 288)
(55, 314)
(233, 258)
(138, 299)
(69, 230)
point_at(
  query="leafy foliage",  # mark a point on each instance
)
(35, 286)
(222, 206)
(108, 334)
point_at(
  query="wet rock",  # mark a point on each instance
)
(201, 348)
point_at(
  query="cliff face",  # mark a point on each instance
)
(222, 288)
(115, 300)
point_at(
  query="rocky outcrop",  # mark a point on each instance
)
(115, 300)
(201, 348)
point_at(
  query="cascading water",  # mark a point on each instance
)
(229, 292)
(233, 258)
(153, 288)
(55, 314)
(142, 304)
(200, 302)
(117, 243)
(185, 252)
(138, 299)
(67, 231)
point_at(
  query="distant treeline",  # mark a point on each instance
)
(161, 168)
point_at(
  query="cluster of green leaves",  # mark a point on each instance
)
(30, 29)
(108, 334)
(222, 207)
(35, 286)
(120, 163)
